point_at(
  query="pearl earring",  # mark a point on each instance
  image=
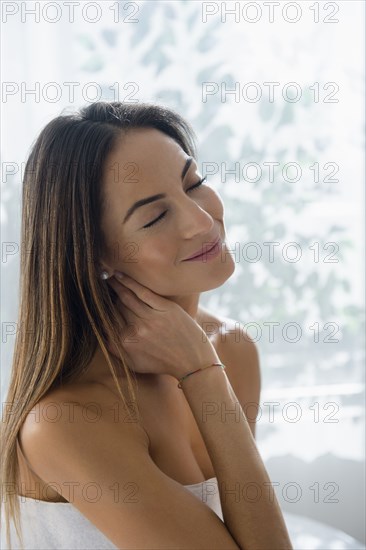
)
(104, 275)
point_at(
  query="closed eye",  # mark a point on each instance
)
(159, 218)
(197, 184)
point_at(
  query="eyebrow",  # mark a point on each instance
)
(157, 197)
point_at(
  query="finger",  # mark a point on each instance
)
(146, 295)
(123, 311)
(129, 300)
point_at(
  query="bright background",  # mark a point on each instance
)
(313, 447)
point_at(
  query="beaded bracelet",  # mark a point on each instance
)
(189, 374)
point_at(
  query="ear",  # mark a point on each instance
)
(105, 271)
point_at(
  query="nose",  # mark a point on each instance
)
(194, 220)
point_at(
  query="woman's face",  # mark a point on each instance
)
(146, 163)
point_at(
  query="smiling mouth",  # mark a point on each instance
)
(205, 252)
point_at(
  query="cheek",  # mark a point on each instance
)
(155, 250)
(152, 261)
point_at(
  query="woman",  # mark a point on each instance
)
(115, 188)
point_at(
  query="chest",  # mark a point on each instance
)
(176, 444)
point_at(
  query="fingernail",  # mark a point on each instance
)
(104, 275)
(119, 275)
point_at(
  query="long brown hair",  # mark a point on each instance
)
(65, 310)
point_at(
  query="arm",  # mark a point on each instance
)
(253, 521)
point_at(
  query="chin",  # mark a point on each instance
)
(217, 275)
(222, 277)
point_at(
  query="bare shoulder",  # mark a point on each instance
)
(64, 417)
(63, 407)
(101, 465)
(227, 333)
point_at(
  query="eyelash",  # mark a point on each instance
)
(162, 216)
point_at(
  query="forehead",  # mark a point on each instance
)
(142, 155)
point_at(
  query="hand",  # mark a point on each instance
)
(157, 335)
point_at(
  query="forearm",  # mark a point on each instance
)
(253, 516)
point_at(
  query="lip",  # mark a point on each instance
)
(199, 255)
